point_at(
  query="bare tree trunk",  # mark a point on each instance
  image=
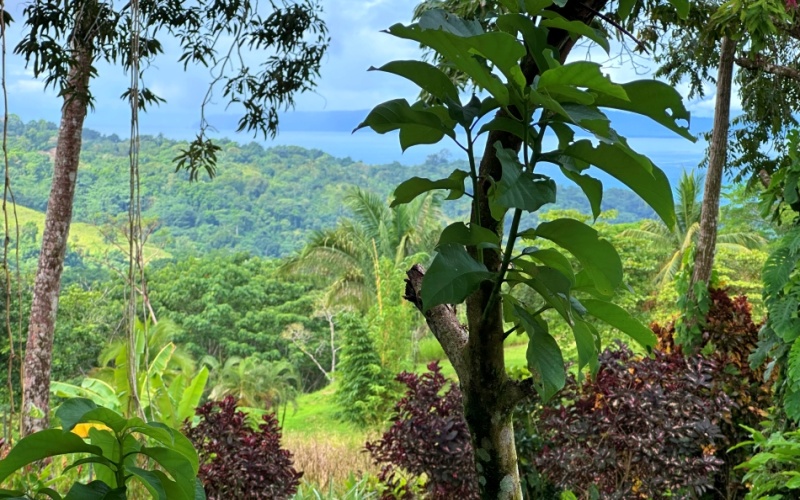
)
(718, 151)
(39, 348)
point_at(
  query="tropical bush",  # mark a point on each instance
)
(112, 445)
(644, 427)
(772, 470)
(238, 460)
(428, 439)
(365, 388)
(729, 337)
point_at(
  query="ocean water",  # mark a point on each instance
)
(672, 154)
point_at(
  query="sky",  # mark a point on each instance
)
(324, 118)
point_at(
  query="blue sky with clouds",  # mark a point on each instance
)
(322, 118)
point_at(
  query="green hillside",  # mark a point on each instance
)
(84, 238)
(263, 201)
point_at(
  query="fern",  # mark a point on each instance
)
(793, 368)
(783, 317)
(778, 270)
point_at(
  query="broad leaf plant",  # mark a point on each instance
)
(482, 261)
(565, 100)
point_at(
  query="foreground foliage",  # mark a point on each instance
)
(517, 59)
(112, 445)
(237, 460)
(644, 426)
(428, 447)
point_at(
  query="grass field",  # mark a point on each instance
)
(85, 238)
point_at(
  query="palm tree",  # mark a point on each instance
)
(681, 239)
(347, 256)
(257, 384)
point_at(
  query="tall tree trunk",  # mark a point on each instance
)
(476, 351)
(718, 152)
(39, 347)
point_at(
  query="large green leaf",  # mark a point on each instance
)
(79, 410)
(96, 390)
(652, 186)
(620, 319)
(472, 235)
(519, 189)
(654, 99)
(468, 53)
(408, 190)
(191, 397)
(581, 74)
(586, 343)
(452, 277)
(150, 481)
(178, 466)
(551, 291)
(544, 356)
(96, 490)
(439, 19)
(535, 38)
(176, 441)
(41, 445)
(591, 187)
(420, 124)
(553, 258)
(597, 256)
(576, 28)
(428, 77)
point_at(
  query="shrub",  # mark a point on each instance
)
(642, 428)
(729, 337)
(365, 388)
(772, 471)
(429, 438)
(238, 461)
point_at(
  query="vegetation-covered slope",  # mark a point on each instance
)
(263, 201)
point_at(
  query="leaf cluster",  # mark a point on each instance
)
(222, 36)
(365, 389)
(428, 437)
(113, 446)
(238, 461)
(772, 470)
(644, 426)
(563, 100)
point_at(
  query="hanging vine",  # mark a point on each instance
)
(8, 194)
(135, 259)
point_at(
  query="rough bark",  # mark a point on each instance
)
(718, 151)
(39, 347)
(476, 351)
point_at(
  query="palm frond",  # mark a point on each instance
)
(369, 210)
(750, 241)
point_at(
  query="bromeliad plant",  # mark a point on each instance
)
(116, 448)
(535, 98)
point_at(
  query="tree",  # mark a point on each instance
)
(257, 384)
(533, 92)
(681, 238)
(763, 39)
(63, 43)
(363, 390)
(347, 257)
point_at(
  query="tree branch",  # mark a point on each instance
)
(442, 321)
(761, 63)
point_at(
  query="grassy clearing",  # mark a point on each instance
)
(84, 238)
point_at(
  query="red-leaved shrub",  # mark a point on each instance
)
(238, 461)
(642, 428)
(429, 436)
(729, 337)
